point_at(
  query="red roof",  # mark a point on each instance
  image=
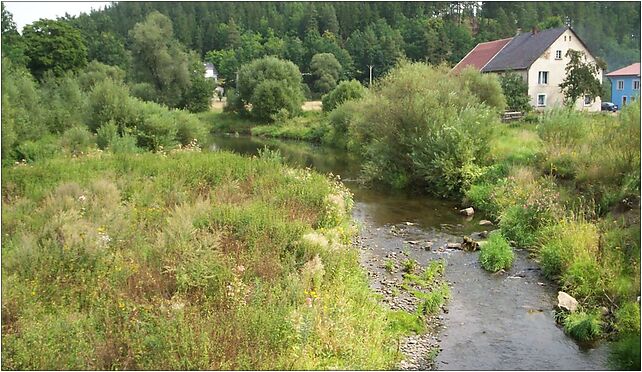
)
(481, 54)
(633, 69)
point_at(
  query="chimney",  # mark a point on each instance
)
(519, 31)
(535, 30)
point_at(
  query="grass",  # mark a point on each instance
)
(186, 260)
(496, 254)
(307, 127)
(583, 326)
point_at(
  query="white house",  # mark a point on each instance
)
(539, 57)
(210, 71)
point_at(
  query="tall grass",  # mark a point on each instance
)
(185, 260)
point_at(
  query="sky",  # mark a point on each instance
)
(25, 13)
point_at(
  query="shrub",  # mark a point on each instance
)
(345, 91)
(77, 140)
(106, 135)
(272, 97)
(145, 92)
(110, 101)
(157, 131)
(125, 145)
(421, 127)
(31, 151)
(520, 224)
(583, 326)
(625, 353)
(189, 128)
(268, 85)
(515, 90)
(481, 197)
(496, 254)
(627, 318)
(486, 87)
(564, 243)
(95, 72)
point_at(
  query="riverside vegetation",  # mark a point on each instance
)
(563, 185)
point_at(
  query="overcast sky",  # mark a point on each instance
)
(25, 13)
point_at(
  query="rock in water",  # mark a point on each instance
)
(469, 244)
(566, 301)
(485, 223)
(428, 246)
(467, 211)
(453, 245)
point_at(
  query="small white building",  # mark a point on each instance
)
(539, 57)
(210, 71)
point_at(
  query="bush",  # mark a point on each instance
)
(110, 101)
(625, 353)
(520, 224)
(31, 151)
(95, 72)
(486, 87)
(345, 91)
(268, 85)
(496, 254)
(422, 127)
(106, 134)
(271, 97)
(189, 128)
(481, 197)
(125, 145)
(156, 132)
(77, 140)
(583, 326)
(515, 90)
(627, 318)
(145, 92)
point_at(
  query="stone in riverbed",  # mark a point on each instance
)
(469, 244)
(485, 223)
(566, 301)
(428, 246)
(453, 245)
(467, 211)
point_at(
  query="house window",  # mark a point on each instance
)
(541, 100)
(558, 54)
(587, 100)
(542, 78)
(636, 84)
(620, 85)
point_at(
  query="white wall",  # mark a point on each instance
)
(556, 74)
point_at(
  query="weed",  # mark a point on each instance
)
(389, 266)
(583, 326)
(496, 254)
(410, 266)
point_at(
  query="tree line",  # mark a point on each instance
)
(358, 35)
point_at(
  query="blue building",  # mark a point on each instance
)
(625, 84)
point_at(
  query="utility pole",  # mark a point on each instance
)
(370, 67)
(237, 80)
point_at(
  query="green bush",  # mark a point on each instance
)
(583, 326)
(189, 128)
(77, 140)
(481, 197)
(345, 91)
(110, 101)
(269, 85)
(486, 87)
(95, 72)
(127, 144)
(625, 353)
(106, 135)
(31, 151)
(520, 224)
(627, 318)
(496, 254)
(157, 131)
(515, 90)
(422, 127)
(145, 92)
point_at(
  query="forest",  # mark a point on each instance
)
(358, 34)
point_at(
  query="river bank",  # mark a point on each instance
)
(391, 221)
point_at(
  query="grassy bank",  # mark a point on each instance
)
(567, 188)
(309, 126)
(185, 260)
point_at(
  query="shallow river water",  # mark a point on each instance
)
(494, 321)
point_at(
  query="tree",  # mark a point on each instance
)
(345, 91)
(326, 70)
(516, 92)
(53, 46)
(270, 85)
(199, 95)
(13, 46)
(581, 78)
(226, 64)
(159, 59)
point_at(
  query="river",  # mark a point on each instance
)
(494, 321)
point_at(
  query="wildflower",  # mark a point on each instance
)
(308, 302)
(82, 198)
